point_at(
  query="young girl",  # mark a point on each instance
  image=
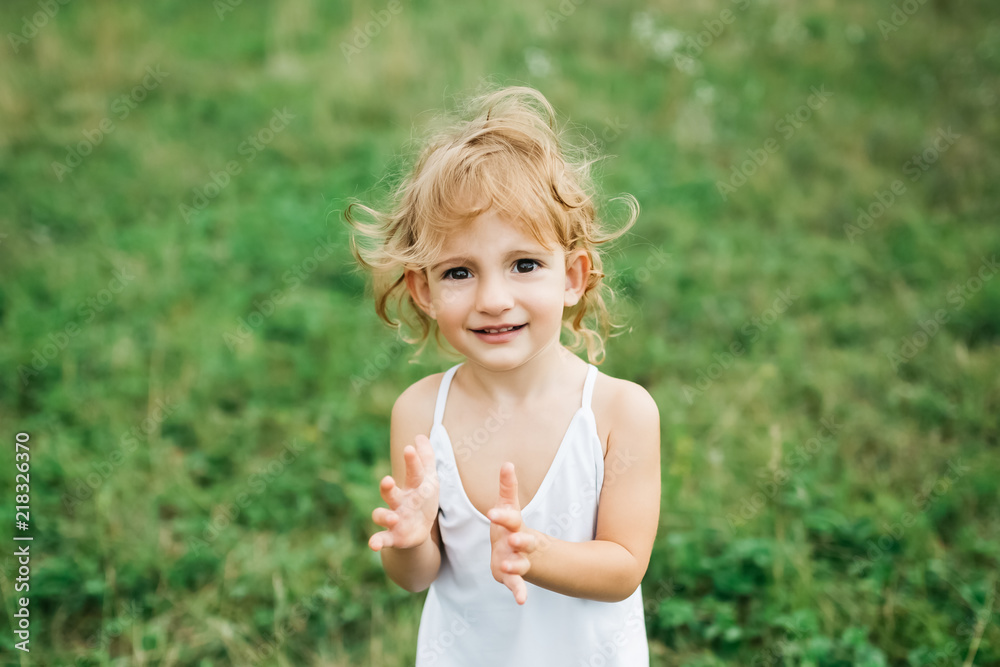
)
(525, 486)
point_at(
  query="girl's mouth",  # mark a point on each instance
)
(499, 335)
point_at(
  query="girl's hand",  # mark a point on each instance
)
(512, 541)
(413, 509)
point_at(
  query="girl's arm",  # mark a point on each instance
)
(610, 567)
(414, 568)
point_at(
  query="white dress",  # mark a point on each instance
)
(471, 620)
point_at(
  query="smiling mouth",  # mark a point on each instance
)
(503, 330)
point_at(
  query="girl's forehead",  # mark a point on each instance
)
(491, 231)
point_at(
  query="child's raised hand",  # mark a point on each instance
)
(412, 509)
(509, 537)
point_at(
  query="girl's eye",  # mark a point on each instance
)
(458, 273)
(525, 265)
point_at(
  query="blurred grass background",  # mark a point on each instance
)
(207, 433)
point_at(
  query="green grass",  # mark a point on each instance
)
(138, 564)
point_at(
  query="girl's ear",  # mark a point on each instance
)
(420, 290)
(577, 271)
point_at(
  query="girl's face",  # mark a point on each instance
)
(492, 275)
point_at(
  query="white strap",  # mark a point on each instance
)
(588, 385)
(442, 397)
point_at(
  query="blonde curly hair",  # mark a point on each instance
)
(504, 150)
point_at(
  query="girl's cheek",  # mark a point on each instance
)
(450, 295)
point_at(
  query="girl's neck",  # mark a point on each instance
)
(552, 370)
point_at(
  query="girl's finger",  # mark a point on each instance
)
(508, 486)
(426, 452)
(517, 587)
(390, 492)
(522, 542)
(414, 467)
(379, 541)
(518, 566)
(508, 518)
(384, 517)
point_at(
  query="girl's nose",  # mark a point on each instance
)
(493, 295)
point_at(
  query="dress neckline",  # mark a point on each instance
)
(546, 480)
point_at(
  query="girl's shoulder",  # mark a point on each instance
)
(618, 402)
(415, 405)
(610, 391)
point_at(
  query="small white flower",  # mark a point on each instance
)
(538, 62)
(688, 65)
(854, 33)
(642, 26)
(666, 43)
(787, 30)
(704, 92)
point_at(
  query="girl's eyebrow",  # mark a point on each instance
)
(470, 260)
